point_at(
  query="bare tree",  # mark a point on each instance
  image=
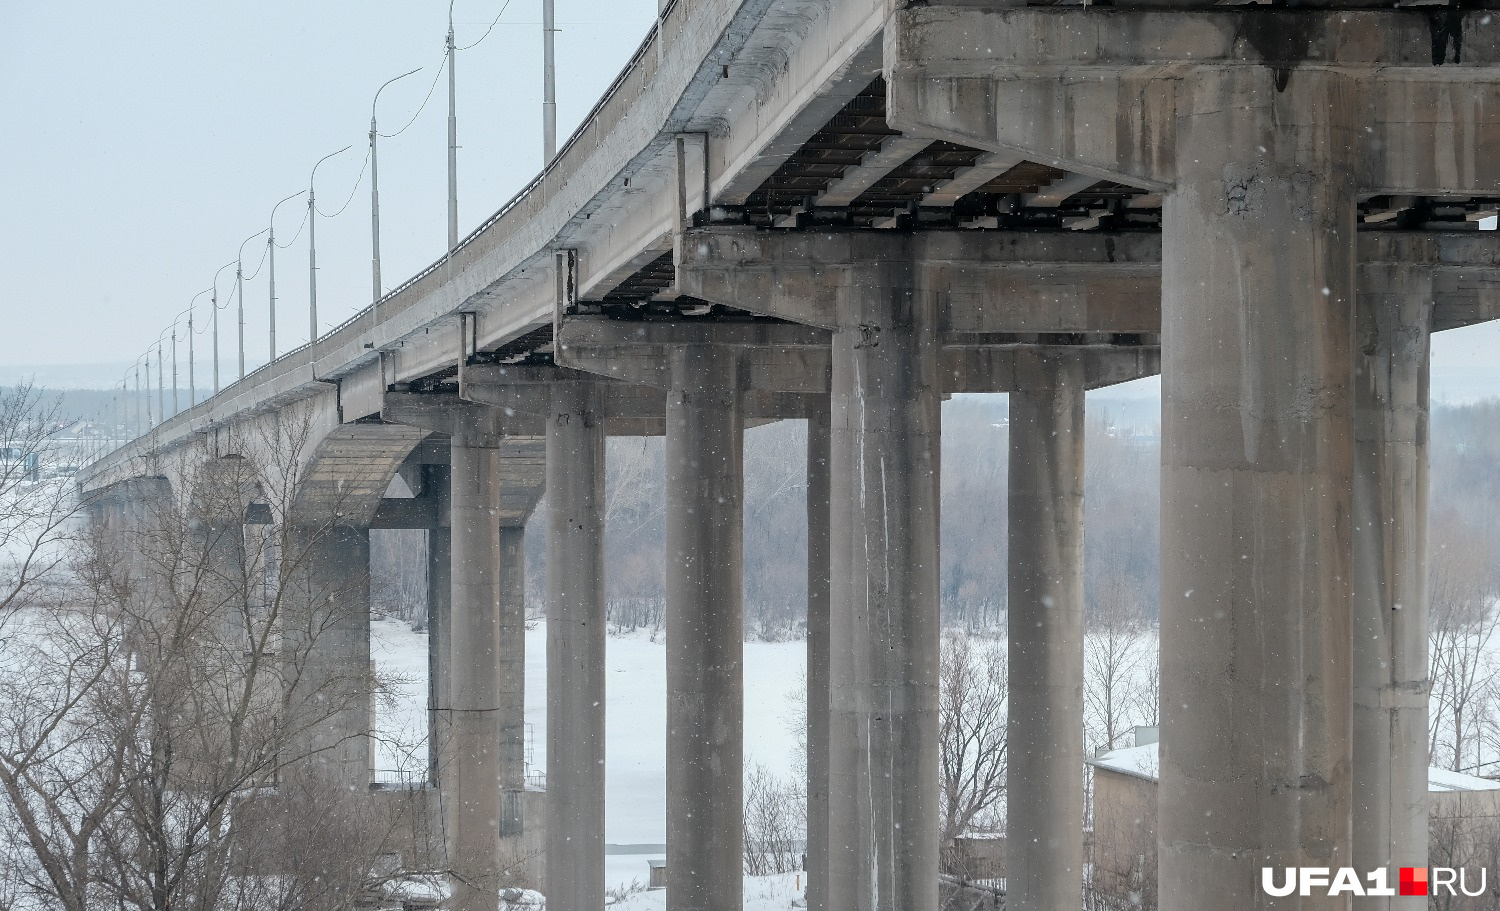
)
(774, 823)
(1117, 649)
(35, 513)
(971, 734)
(161, 716)
(1462, 626)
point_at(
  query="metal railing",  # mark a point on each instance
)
(399, 780)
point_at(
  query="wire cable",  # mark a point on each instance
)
(357, 181)
(487, 31)
(430, 90)
(299, 231)
(264, 251)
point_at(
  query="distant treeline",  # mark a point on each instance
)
(1122, 515)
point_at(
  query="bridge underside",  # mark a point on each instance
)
(1272, 208)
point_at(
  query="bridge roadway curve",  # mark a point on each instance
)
(841, 210)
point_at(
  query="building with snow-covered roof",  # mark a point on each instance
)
(1460, 808)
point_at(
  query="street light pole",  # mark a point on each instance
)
(161, 394)
(192, 379)
(239, 283)
(176, 405)
(452, 136)
(549, 87)
(271, 277)
(149, 422)
(312, 250)
(138, 412)
(375, 186)
(215, 302)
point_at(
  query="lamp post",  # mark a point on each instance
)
(271, 264)
(239, 284)
(452, 136)
(215, 301)
(139, 424)
(375, 185)
(176, 405)
(192, 380)
(161, 394)
(149, 422)
(312, 249)
(549, 87)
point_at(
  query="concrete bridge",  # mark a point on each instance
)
(843, 211)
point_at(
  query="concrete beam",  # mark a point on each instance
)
(776, 360)
(1060, 191)
(1098, 91)
(447, 413)
(894, 152)
(989, 166)
(978, 281)
(1033, 282)
(1005, 369)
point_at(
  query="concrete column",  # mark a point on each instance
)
(575, 649)
(439, 620)
(705, 631)
(1393, 323)
(473, 779)
(883, 723)
(512, 657)
(439, 644)
(1044, 813)
(329, 635)
(1257, 459)
(818, 645)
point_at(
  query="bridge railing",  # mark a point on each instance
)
(390, 304)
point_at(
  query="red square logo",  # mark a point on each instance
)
(1413, 880)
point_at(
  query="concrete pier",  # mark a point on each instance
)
(473, 775)
(329, 630)
(1257, 421)
(883, 725)
(575, 649)
(511, 661)
(1392, 324)
(818, 645)
(1044, 815)
(439, 620)
(705, 631)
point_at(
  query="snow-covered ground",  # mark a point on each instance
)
(762, 893)
(636, 733)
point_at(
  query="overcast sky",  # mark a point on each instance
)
(144, 141)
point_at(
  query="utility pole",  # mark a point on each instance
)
(549, 87)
